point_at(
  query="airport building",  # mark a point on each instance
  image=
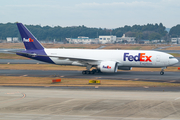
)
(9, 39)
(125, 39)
(82, 40)
(157, 41)
(107, 39)
(15, 39)
(175, 40)
(12, 40)
(144, 42)
(151, 41)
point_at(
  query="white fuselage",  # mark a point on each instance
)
(125, 58)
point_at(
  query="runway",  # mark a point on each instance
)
(20, 103)
(172, 77)
(170, 51)
(6, 50)
(16, 61)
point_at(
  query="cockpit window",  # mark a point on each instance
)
(171, 57)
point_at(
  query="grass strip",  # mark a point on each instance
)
(11, 56)
(175, 54)
(46, 81)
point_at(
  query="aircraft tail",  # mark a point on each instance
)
(30, 42)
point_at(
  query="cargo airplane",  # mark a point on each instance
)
(108, 61)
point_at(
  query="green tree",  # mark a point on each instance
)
(59, 33)
(175, 31)
(154, 36)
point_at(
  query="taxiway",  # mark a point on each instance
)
(19, 103)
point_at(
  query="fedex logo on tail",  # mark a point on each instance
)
(140, 57)
(28, 40)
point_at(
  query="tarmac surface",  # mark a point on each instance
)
(172, 77)
(24, 103)
(170, 51)
(21, 61)
(6, 50)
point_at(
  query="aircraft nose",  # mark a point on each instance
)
(174, 61)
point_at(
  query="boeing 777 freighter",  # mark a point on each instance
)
(108, 61)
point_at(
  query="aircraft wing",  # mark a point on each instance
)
(85, 61)
(82, 60)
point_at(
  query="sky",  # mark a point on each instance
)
(91, 13)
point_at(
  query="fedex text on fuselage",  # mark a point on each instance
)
(142, 57)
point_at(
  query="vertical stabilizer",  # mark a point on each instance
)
(30, 42)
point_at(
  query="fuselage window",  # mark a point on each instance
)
(171, 57)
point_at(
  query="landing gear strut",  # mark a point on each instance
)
(88, 71)
(162, 71)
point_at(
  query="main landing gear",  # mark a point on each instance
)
(162, 71)
(88, 71)
(91, 72)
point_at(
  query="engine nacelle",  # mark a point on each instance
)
(108, 66)
(124, 68)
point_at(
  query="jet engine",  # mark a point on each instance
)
(108, 66)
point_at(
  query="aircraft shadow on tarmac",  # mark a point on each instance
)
(133, 75)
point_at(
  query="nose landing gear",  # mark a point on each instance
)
(162, 71)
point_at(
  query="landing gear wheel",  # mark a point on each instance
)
(84, 72)
(162, 70)
(161, 73)
(92, 72)
(98, 71)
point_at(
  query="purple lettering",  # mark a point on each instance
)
(125, 56)
(130, 58)
(137, 58)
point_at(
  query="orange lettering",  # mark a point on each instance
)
(31, 40)
(148, 58)
(141, 57)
